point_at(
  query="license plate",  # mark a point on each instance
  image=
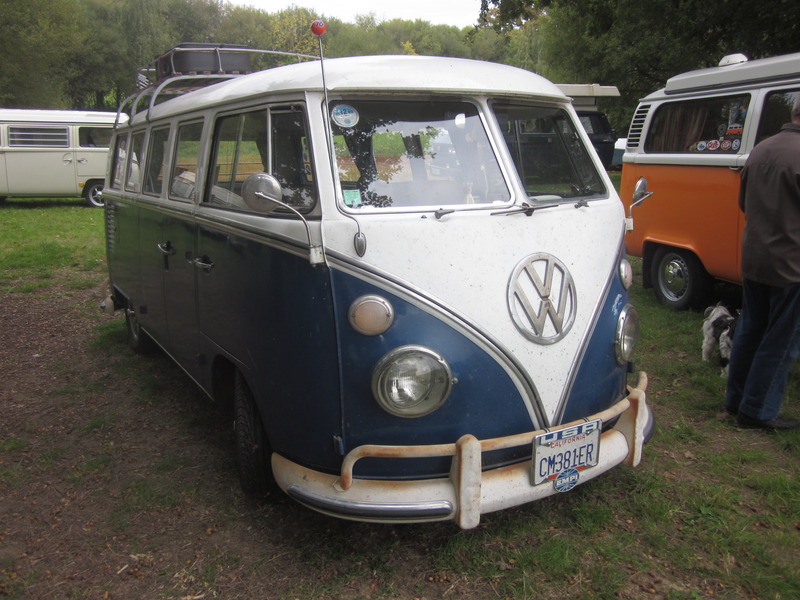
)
(566, 452)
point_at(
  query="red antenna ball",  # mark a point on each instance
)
(318, 27)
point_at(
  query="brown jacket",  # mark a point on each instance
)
(770, 198)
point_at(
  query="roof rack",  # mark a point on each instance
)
(191, 66)
(736, 70)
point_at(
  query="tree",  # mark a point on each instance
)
(37, 39)
(638, 45)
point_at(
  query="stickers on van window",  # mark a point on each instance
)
(345, 115)
(352, 198)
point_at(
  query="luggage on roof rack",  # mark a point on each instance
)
(192, 58)
(190, 66)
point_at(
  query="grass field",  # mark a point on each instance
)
(712, 512)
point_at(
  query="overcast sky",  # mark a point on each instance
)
(460, 13)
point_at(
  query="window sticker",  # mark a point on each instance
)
(345, 115)
(352, 198)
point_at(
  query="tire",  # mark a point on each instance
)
(138, 340)
(93, 193)
(679, 279)
(252, 448)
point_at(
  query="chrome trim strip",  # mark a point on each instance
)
(433, 510)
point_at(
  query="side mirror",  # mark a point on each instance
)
(262, 192)
(640, 194)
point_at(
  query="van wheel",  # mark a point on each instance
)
(138, 340)
(252, 448)
(679, 279)
(93, 193)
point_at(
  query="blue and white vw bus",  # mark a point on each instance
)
(406, 276)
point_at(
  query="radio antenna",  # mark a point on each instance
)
(318, 28)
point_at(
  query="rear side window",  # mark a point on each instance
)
(156, 157)
(776, 112)
(134, 156)
(94, 137)
(38, 137)
(702, 126)
(184, 169)
(120, 152)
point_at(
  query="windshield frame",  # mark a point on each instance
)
(478, 116)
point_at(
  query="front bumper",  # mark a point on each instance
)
(468, 492)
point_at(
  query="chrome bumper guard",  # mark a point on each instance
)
(468, 492)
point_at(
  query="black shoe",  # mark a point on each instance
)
(745, 422)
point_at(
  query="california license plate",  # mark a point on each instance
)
(560, 455)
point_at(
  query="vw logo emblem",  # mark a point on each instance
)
(541, 298)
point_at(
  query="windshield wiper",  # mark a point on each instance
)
(443, 211)
(527, 209)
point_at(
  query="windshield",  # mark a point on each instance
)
(409, 154)
(548, 153)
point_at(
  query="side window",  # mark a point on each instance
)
(94, 137)
(184, 169)
(270, 140)
(134, 156)
(707, 125)
(119, 161)
(240, 149)
(291, 160)
(155, 165)
(776, 112)
(39, 137)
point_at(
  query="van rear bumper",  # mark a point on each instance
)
(468, 492)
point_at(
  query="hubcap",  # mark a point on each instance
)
(674, 278)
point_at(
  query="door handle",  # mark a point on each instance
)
(166, 249)
(204, 263)
(83, 161)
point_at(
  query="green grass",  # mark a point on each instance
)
(41, 237)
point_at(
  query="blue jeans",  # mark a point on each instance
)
(765, 345)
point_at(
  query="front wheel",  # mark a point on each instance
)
(252, 448)
(93, 192)
(679, 279)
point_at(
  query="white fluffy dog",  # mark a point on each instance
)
(718, 327)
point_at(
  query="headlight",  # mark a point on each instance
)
(411, 381)
(627, 334)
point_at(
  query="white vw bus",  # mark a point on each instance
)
(54, 153)
(407, 276)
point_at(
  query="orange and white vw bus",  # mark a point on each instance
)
(686, 146)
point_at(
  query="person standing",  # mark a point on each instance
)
(767, 338)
